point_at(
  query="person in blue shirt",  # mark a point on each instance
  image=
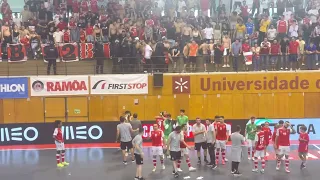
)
(250, 29)
(310, 49)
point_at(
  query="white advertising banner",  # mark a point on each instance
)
(119, 84)
(59, 85)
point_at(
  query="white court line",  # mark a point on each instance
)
(115, 147)
(316, 146)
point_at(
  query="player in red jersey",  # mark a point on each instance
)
(157, 138)
(282, 143)
(222, 139)
(267, 136)
(94, 6)
(303, 146)
(259, 149)
(58, 137)
(276, 127)
(83, 35)
(66, 35)
(184, 150)
(84, 7)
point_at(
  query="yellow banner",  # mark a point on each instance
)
(264, 82)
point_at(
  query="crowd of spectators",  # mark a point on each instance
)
(279, 35)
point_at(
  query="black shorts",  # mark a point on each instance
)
(175, 155)
(139, 159)
(206, 59)
(185, 60)
(126, 145)
(192, 59)
(197, 146)
(293, 57)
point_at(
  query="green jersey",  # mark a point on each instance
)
(182, 120)
(251, 131)
(168, 127)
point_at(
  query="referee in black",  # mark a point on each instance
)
(51, 55)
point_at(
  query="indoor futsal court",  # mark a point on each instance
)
(104, 162)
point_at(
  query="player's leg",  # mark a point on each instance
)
(212, 155)
(218, 152)
(130, 147)
(187, 157)
(304, 160)
(249, 149)
(183, 151)
(279, 157)
(197, 147)
(175, 157)
(287, 161)
(162, 161)
(223, 152)
(123, 150)
(63, 152)
(58, 154)
(159, 152)
(263, 161)
(139, 162)
(205, 152)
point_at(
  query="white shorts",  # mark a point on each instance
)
(284, 150)
(157, 150)
(59, 146)
(184, 151)
(251, 143)
(220, 144)
(259, 154)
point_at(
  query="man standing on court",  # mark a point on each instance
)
(250, 136)
(236, 151)
(136, 124)
(168, 128)
(182, 119)
(124, 130)
(211, 143)
(199, 133)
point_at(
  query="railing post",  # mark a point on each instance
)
(65, 68)
(37, 69)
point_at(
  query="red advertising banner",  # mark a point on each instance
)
(16, 53)
(69, 52)
(86, 50)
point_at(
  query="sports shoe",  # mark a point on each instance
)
(192, 169)
(179, 169)
(65, 163)
(254, 170)
(206, 161)
(237, 174)
(317, 64)
(125, 162)
(142, 178)
(278, 167)
(133, 161)
(176, 175)
(136, 178)
(224, 65)
(209, 164)
(262, 171)
(217, 162)
(163, 167)
(287, 170)
(303, 166)
(223, 162)
(287, 68)
(232, 172)
(226, 160)
(228, 65)
(173, 172)
(249, 158)
(199, 162)
(154, 169)
(214, 167)
(60, 165)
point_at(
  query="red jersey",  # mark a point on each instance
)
(134, 31)
(72, 25)
(61, 26)
(221, 132)
(84, 6)
(275, 49)
(63, 6)
(282, 26)
(75, 7)
(306, 21)
(58, 134)
(260, 139)
(82, 36)
(156, 138)
(141, 34)
(303, 145)
(103, 17)
(89, 30)
(283, 136)
(265, 48)
(245, 47)
(94, 6)
(159, 121)
(267, 134)
(293, 47)
(244, 11)
(149, 22)
(69, 2)
(66, 36)
(185, 137)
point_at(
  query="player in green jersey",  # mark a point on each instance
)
(251, 130)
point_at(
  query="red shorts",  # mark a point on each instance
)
(266, 143)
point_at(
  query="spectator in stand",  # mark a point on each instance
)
(293, 30)
(193, 49)
(282, 27)
(256, 57)
(236, 51)
(294, 52)
(25, 15)
(16, 20)
(274, 54)
(264, 25)
(311, 50)
(302, 45)
(271, 34)
(226, 41)
(255, 7)
(284, 45)
(244, 12)
(240, 30)
(264, 52)
(15, 35)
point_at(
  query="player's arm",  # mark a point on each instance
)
(292, 130)
(55, 133)
(276, 139)
(184, 142)
(169, 141)
(256, 138)
(163, 139)
(118, 134)
(213, 135)
(227, 135)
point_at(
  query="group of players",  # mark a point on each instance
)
(169, 138)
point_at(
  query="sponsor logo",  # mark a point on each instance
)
(181, 84)
(102, 84)
(94, 132)
(37, 86)
(12, 88)
(18, 134)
